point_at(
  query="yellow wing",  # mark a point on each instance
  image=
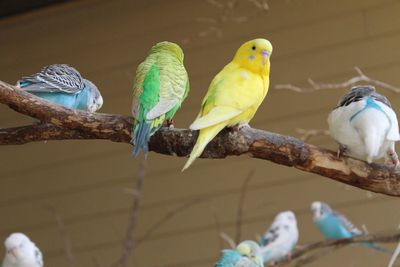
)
(233, 91)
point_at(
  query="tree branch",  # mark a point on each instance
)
(337, 243)
(280, 149)
(360, 78)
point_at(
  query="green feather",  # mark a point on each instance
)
(150, 94)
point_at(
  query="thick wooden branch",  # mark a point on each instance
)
(299, 252)
(285, 150)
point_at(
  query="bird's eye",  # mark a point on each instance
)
(253, 47)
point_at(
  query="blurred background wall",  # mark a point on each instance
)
(89, 184)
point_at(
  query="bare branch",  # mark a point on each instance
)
(166, 218)
(394, 256)
(228, 239)
(298, 253)
(360, 78)
(307, 134)
(129, 240)
(242, 197)
(280, 149)
(64, 235)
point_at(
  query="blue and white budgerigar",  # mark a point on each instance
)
(246, 254)
(21, 252)
(365, 126)
(281, 238)
(63, 85)
(334, 225)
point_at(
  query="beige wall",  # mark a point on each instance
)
(87, 182)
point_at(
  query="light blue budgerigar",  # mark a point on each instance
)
(63, 85)
(246, 254)
(365, 126)
(334, 225)
(280, 239)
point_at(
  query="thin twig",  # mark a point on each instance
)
(64, 235)
(394, 256)
(227, 239)
(360, 78)
(218, 227)
(129, 240)
(242, 197)
(166, 218)
(303, 251)
(306, 259)
(307, 134)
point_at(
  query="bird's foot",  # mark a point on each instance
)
(170, 124)
(243, 125)
(392, 160)
(272, 263)
(341, 150)
(289, 256)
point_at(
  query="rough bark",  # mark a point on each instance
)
(63, 123)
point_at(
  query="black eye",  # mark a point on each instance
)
(253, 47)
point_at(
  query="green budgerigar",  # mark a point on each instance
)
(160, 86)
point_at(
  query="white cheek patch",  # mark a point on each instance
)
(245, 75)
(251, 57)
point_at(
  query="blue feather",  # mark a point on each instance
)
(142, 133)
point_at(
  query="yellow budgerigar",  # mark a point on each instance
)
(234, 94)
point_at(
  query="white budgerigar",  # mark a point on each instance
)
(281, 238)
(21, 252)
(365, 126)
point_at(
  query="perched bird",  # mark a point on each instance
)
(234, 94)
(334, 225)
(63, 85)
(160, 86)
(21, 252)
(246, 254)
(365, 126)
(281, 238)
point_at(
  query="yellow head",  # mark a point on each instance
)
(251, 250)
(254, 55)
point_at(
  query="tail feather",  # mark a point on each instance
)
(376, 247)
(205, 136)
(372, 145)
(141, 138)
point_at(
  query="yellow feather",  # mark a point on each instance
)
(235, 93)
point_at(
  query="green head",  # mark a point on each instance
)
(168, 47)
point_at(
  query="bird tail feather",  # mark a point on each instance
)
(141, 137)
(205, 136)
(376, 247)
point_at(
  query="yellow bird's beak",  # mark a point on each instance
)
(265, 54)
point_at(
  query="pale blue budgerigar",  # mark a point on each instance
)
(334, 225)
(21, 252)
(365, 126)
(63, 85)
(246, 254)
(281, 238)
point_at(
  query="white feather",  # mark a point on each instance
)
(369, 135)
(284, 235)
(21, 252)
(163, 106)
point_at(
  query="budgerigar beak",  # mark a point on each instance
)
(265, 54)
(13, 252)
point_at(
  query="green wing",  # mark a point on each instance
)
(174, 87)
